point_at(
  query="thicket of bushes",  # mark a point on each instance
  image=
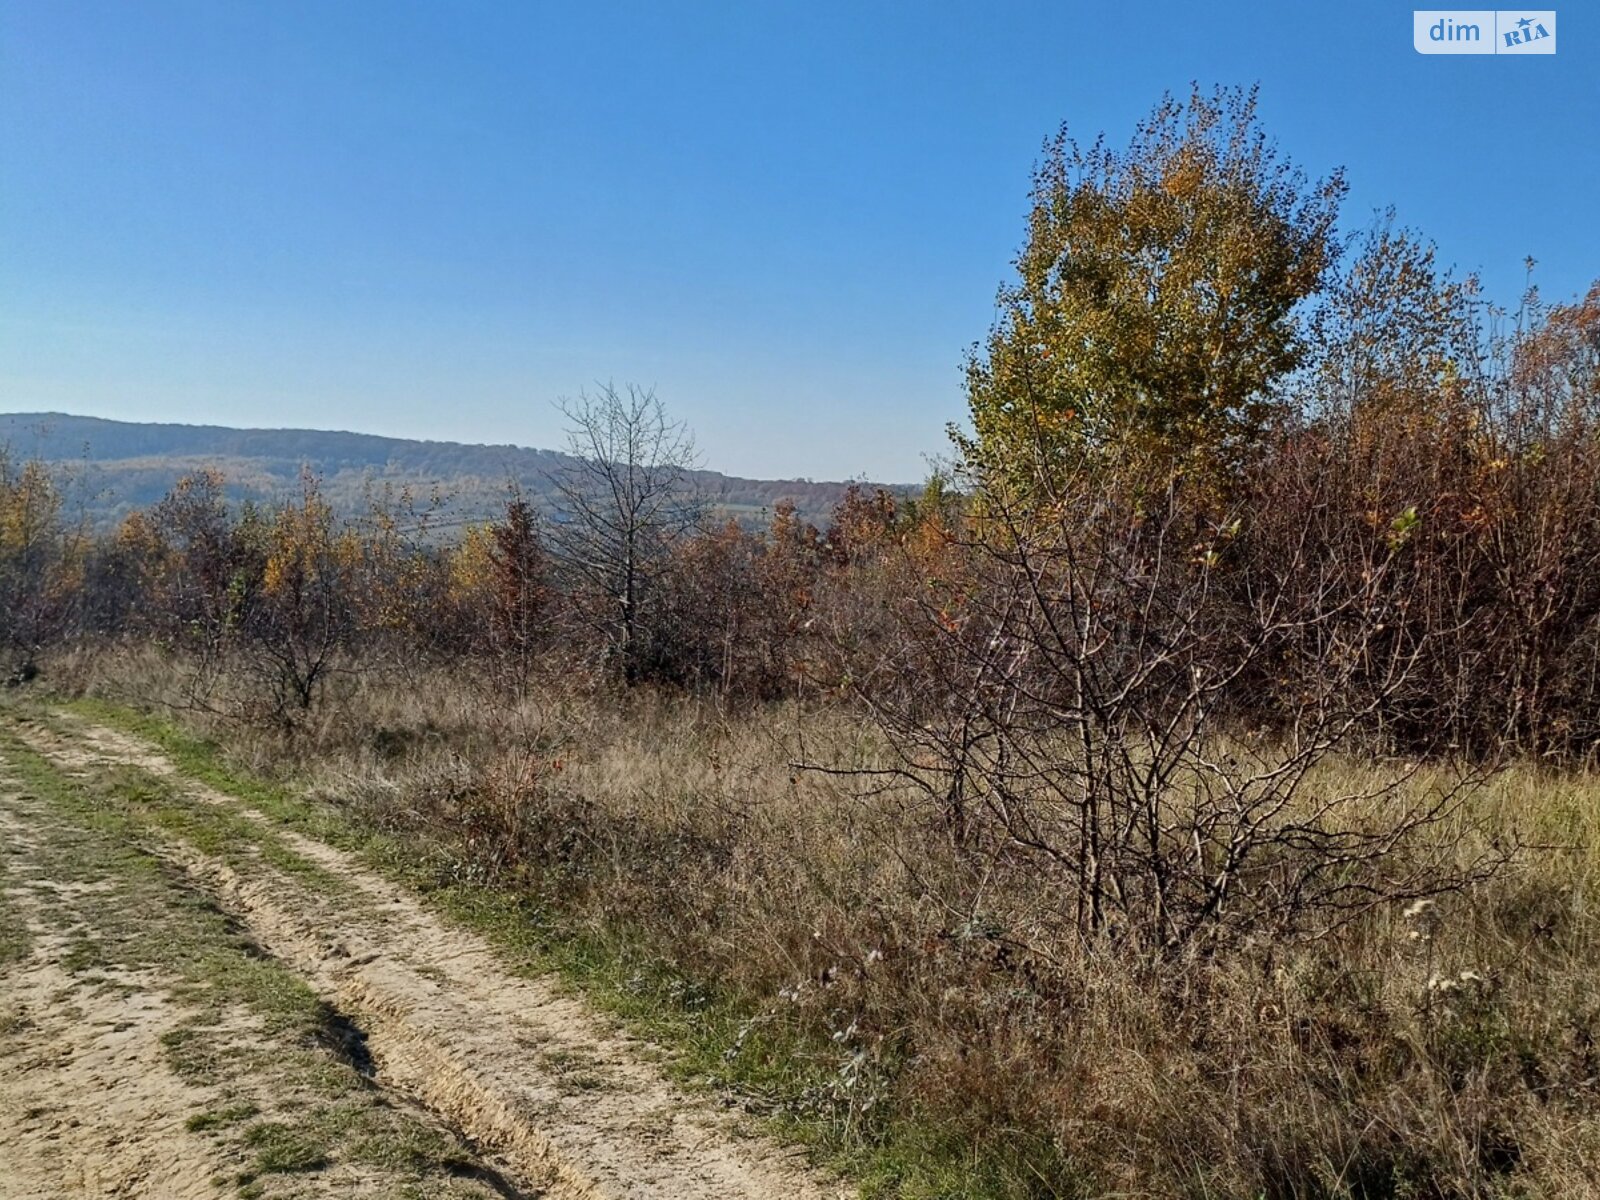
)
(1459, 511)
(1182, 689)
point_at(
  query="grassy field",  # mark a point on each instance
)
(816, 949)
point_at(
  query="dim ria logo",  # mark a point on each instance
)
(1484, 31)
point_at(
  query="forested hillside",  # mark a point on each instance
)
(120, 466)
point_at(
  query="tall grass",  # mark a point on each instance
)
(933, 1021)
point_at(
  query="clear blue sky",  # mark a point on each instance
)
(431, 220)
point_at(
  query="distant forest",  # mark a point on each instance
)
(120, 466)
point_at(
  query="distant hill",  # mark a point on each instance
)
(122, 465)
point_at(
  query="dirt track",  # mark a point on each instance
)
(86, 1104)
(560, 1103)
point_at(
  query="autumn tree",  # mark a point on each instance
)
(735, 604)
(190, 568)
(38, 555)
(305, 615)
(1472, 435)
(403, 601)
(861, 522)
(501, 573)
(1158, 301)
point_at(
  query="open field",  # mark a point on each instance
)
(796, 944)
(197, 1002)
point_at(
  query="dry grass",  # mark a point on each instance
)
(927, 1014)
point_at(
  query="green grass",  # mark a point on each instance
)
(221, 1117)
(15, 937)
(205, 762)
(284, 1148)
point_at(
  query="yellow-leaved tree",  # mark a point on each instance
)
(40, 564)
(1159, 300)
(305, 616)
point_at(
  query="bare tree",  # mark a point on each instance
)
(625, 498)
(1065, 696)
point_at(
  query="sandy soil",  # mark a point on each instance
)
(88, 1106)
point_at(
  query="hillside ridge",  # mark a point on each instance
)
(129, 464)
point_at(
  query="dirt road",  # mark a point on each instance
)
(196, 1001)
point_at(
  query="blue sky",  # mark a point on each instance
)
(431, 220)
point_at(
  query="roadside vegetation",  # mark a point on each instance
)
(1189, 794)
